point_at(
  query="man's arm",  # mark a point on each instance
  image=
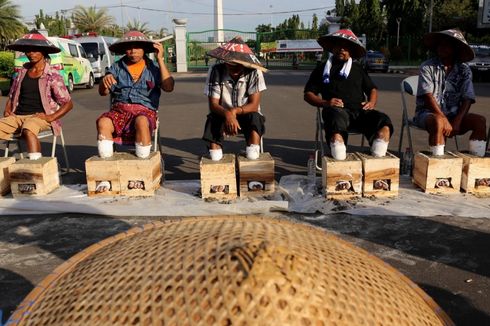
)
(58, 114)
(316, 100)
(462, 111)
(372, 100)
(231, 123)
(8, 108)
(431, 103)
(167, 79)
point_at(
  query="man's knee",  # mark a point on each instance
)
(26, 133)
(435, 123)
(141, 121)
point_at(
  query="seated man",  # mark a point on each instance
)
(135, 84)
(445, 93)
(233, 88)
(344, 87)
(38, 97)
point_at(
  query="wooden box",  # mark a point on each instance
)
(380, 171)
(256, 177)
(475, 177)
(218, 178)
(5, 162)
(335, 174)
(429, 170)
(34, 177)
(120, 170)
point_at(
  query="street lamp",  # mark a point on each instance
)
(398, 20)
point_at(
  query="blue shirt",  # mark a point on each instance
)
(449, 90)
(146, 91)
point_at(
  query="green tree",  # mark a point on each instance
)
(10, 24)
(455, 13)
(112, 30)
(370, 21)
(91, 19)
(55, 25)
(138, 26)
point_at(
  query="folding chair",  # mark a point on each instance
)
(409, 86)
(319, 138)
(16, 138)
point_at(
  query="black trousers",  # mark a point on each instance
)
(213, 129)
(367, 122)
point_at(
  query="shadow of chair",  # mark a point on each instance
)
(409, 86)
(16, 138)
(320, 139)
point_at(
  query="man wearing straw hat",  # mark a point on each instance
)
(38, 97)
(234, 87)
(347, 95)
(445, 93)
(135, 83)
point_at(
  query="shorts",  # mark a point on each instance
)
(367, 122)
(420, 118)
(16, 123)
(123, 116)
(213, 129)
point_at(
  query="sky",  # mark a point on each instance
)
(242, 15)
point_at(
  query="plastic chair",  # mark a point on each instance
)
(320, 139)
(16, 138)
(409, 86)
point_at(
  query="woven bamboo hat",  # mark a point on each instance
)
(464, 51)
(226, 270)
(34, 40)
(329, 41)
(237, 51)
(130, 39)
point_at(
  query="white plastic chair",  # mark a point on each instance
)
(409, 86)
(16, 138)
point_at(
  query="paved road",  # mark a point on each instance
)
(447, 256)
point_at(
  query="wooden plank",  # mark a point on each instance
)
(380, 171)
(40, 175)
(429, 170)
(218, 178)
(121, 169)
(5, 162)
(475, 178)
(256, 177)
(337, 173)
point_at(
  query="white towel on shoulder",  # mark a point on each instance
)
(344, 72)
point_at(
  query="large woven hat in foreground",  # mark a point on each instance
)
(237, 51)
(329, 41)
(226, 271)
(130, 39)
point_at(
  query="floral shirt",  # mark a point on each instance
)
(449, 90)
(52, 89)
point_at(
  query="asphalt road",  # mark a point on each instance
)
(446, 256)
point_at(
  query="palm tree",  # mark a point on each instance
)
(91, 19)
(138, 26)
(10, 25)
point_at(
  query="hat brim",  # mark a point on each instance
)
(431, 40)
(328, 42)
(31, 47)
(121, 47)
(236, 57)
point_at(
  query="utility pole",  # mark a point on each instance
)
(219, 36)
(398, 21)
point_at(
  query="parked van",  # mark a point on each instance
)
(97, 49)
(72, 63)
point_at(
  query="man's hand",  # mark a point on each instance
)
(44, 116)
(368, 105)
(108, 81)
(7, 113)
(335, 102)
(159, 50)
(231, 123)
(447, 128)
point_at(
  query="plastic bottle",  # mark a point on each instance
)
(311, 170)
(407, 162)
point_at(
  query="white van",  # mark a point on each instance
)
(97, 49)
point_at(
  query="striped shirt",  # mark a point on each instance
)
(233, 94)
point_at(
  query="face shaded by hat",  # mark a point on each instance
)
(132, 39)
(328, 42)
(464, 52)
(237, 51)
(34, 41)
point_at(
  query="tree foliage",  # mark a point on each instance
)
(10, 25)
(56, 25)
(91, 19)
